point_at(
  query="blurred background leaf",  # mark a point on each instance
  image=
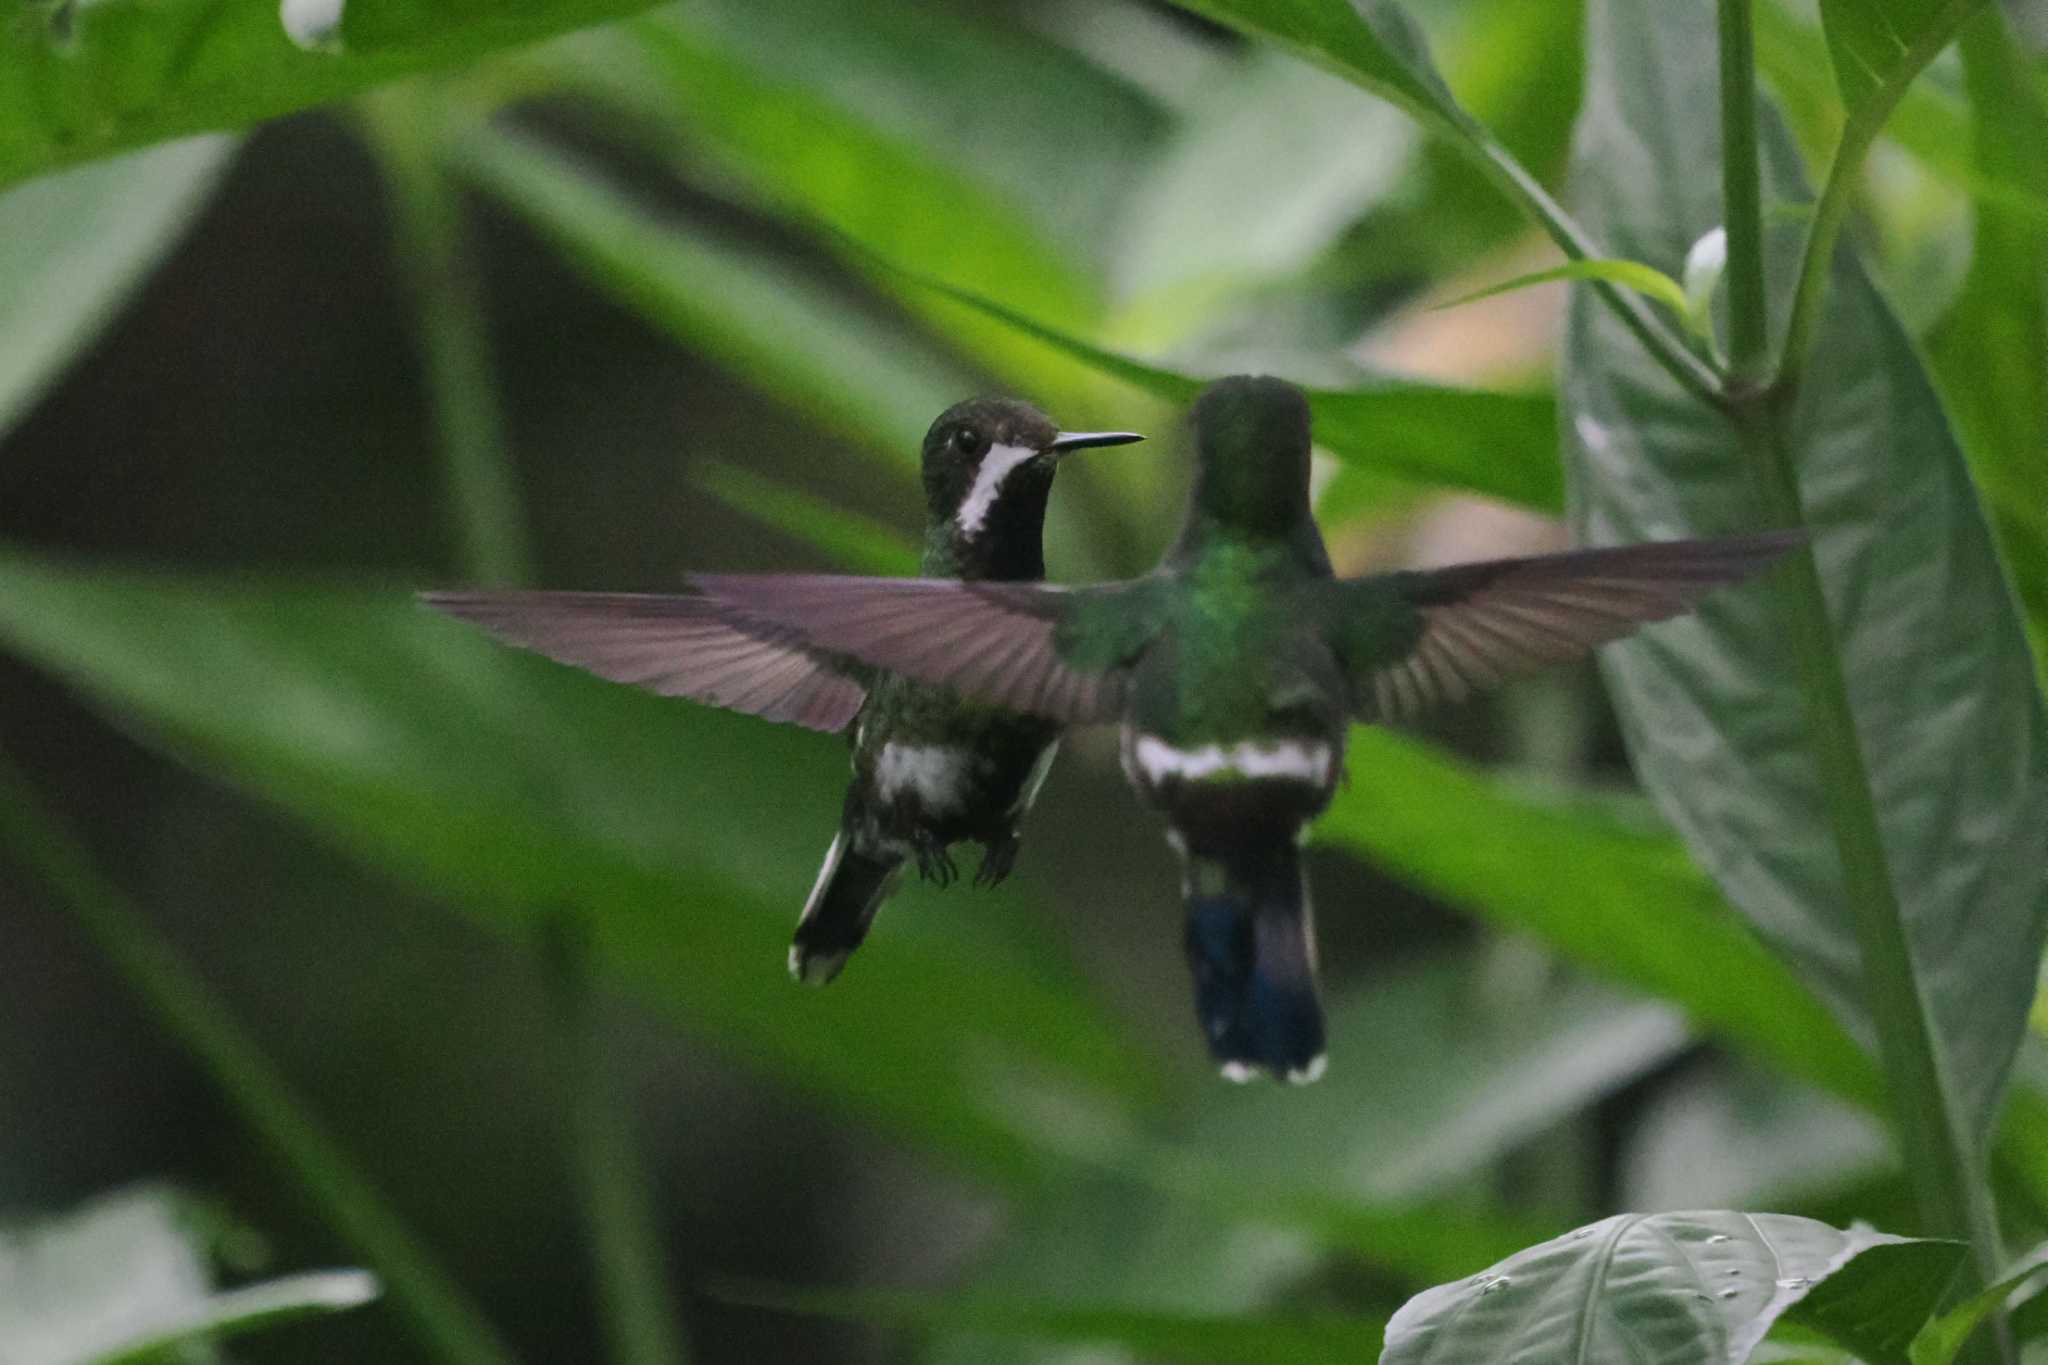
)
(72, 247)
(728, 259)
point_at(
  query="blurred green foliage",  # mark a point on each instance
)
(683, 290)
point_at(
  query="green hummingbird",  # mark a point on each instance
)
(1234, 669)
(930, 769)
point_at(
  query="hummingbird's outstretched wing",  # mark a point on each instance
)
(1061, 653)
(1416, 639)
(676, 646)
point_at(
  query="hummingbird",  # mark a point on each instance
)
(930, 768)
(1234, 670)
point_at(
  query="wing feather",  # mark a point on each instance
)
(1483, 624)
(1000, 643)
(675, 646)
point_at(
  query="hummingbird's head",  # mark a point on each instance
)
(1251, 453)
(988, 465)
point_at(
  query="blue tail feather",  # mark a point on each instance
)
(1250, 945)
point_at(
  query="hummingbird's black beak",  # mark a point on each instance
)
(1067, 441)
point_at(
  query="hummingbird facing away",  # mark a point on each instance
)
(1234, 669)
(929, 768)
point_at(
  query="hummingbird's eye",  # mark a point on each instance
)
(966, 440)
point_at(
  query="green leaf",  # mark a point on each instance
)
(74, 246)
(1874, 43)
(1938, 671)
(1679, 1289)
(80, 80)
(1991, 352)
(1263, 175)
(819, 85)
(1495, 443)
(1372, 42)
(1376, 44)
(1224, 1339)
(251, 1308)
(853, 542)
(1941, 1340)
(1581, 882)
(787, 335)
(517, 785)
(1651, 283)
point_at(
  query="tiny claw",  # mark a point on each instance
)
(998, 857)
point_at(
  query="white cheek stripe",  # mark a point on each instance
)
(1306, 760)
(988, 481)
(936, 772)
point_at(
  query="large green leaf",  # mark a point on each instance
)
(1938, 671)
(1680, 1289)
(73, 246)
(1991, 352)
(517, 785)
(80, 79)
(1624, 903)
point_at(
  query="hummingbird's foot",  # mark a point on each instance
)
(998, 857)
(935, 862)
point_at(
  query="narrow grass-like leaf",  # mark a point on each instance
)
(515, 784)
(446, 1321)
(1680, 1289)
(797, 340)
(82, 80)
(1937, 669)
(1218, 1339)
(852, 542)
(1488, 442)
(251, 1308)
(1650, 283)
(73, 246)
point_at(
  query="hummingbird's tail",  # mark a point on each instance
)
(850, 888)
(1251, 945)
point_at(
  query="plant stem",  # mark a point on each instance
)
(639, 1316)
(447, 1322)
(455, 346)
(1741, 198)
(1698, 377)
(1947, 1168)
